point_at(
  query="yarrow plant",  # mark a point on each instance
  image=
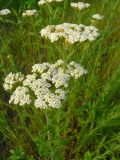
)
(97, 16)
(80, 5)
(29, 13)
(45, 87)
(12, 79)
(5, 12)
(70, 32)
(41, 2)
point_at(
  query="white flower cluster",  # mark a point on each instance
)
(80, 5)
(5, 12)
(20, 96)
(29, 13)
(12, 79)
(97, 16)
(41, 2)
(46, 86)
(70, 32)
(75, 70)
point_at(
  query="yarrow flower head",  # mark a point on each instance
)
(80, 5)
(75, 70)
(45, 87)
(41, 2)
(5, 12)
(12, 79)
(29, 13)
(20, 96)
(70, 32)
(97, 16)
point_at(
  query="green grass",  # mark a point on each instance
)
(87, 125)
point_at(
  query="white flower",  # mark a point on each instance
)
(40, 103)
(11, 79)
(29, 13)
(60, 93)
(46, 76)
(29, 80)
(38, 84)
(46, 31)
(5, 12)
(80, 5)
(60, 79)
(53, 100)
(59, 62)
(75, 70)
(53, 37)
(97, 16)
(20, 96)
(47, 85)
(39, 68)
(70, 32)
(41, 2)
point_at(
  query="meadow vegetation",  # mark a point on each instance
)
(87, 124)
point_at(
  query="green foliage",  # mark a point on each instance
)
(17, 154)
(87, 125)
(18, 4)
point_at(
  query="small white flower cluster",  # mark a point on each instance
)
(20, 96)
(75, 70)
(45, 87)
(29, 13)
(41, 2)
(12, 79)
(80, 5)
(97, 16)
(5, 12)
(70, 32)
